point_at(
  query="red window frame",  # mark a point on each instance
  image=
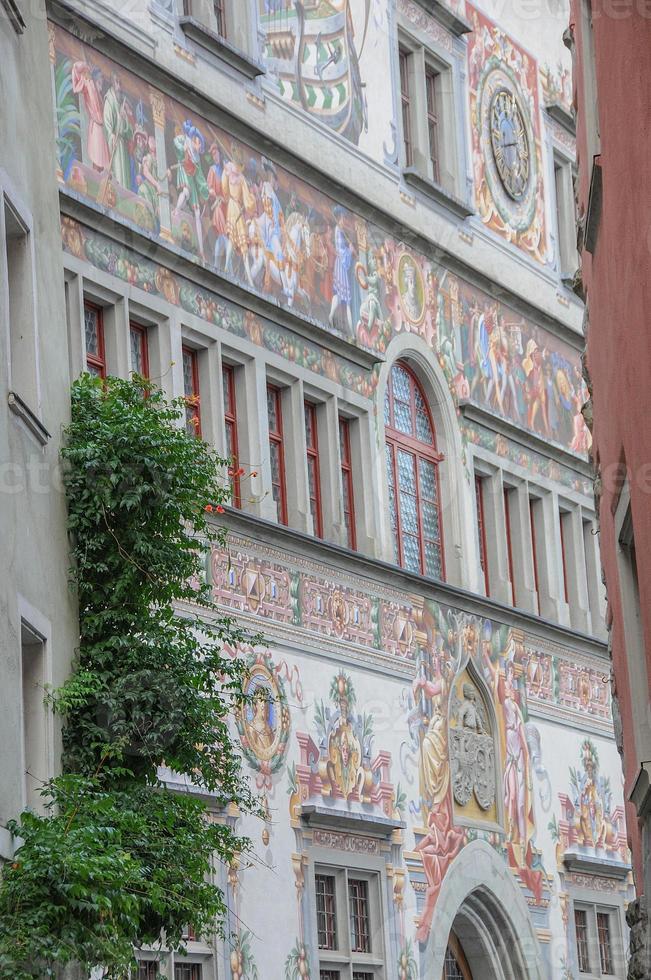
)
(396, 440)
(276, 440)
(230, 424)
(136, 329)
(405, 103)
(97, 361)
(347, 482)
(313, 466)
(431, 83)
(509, 546)
(563, 516)
(481, 529)
(534, 550)
(193, 408)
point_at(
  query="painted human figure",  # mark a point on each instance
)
(344, 251)
(272, 227)
(118, 131)
(190, 181)
(217, 207)
(87, 84)
(536, 390)
(370, 311)
(442, 842)
(516, 774)
(151, 183)
(239, 203)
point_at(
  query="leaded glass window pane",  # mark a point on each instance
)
(423, 424)
(91, 327)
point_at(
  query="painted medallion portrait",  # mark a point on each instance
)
(263, 721)
(411, 289)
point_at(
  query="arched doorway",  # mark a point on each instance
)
(482, 929)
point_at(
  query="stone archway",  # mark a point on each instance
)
(481, 906)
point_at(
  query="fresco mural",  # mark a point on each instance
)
(506, 137)
(462, 792)
(321, 56)
(177, 178)
(453, 747)
(591, 829)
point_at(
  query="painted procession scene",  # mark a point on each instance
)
(144, 158)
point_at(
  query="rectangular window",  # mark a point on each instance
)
(603, 935)
(22, 326)
(564, 518)
(359, 917)
(34, 716)
(139, 349)
(313, 468)
(481, 530)
(277, 451)
(188, 971)
(220, 17)
(326, 911)
(509, 545)
(230, 425)
(405, 102)
(534, 550)
(431, 93)
(94, 333)
(582, 943)
(329, 975)
(191, 391)
(347, 483)
(148, 970)
(347, 907)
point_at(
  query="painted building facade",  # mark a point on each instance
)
(612, 225)
(344, 230)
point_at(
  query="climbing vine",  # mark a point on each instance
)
(118, 858)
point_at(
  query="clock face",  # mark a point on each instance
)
(510, 143)
(507, 145)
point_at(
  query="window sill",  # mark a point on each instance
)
(588, 864)
(558, 112)
(26, 415)
(453, 22)
(437, 193)
(221, 48)
(361, 823)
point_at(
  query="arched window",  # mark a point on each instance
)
(412, 472)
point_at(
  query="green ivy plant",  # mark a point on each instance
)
(119, 859)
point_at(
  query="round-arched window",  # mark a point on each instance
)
(413, 476)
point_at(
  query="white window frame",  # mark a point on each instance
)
(421, 59)
(616, 940)
(23, 375)
(343, 959)
(565, 216)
